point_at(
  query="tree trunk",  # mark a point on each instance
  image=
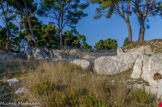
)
(20, 34)
(61, 41)
(129, 32)
(142, 29)
(8, 37)
(32, 33)
(141, 33)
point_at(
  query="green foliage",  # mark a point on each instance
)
(70, 40)
(75, 41)
(5, 92)
(86, 46)
(72, 11)
(106, 44)
(3, 38)
(108, 7)
(47, 36)
(20, 5)
(125, 42)
(63, 12)
(53, 96)
(7, 15)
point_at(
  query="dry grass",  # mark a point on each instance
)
(64, 84)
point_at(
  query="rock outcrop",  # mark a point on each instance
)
(146, 66)
(82, 63)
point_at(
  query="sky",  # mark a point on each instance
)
(114, 28)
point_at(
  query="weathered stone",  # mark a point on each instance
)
(57, 54)
(151, 90)
(46, 50)
(51, 56)
(45, 55)
(119, 51)
(137, 69)
(21, 90)
(37, 54)
(111, 65)
(138, 86)
(150, 66)
(75, 51)
(81, 62)
(11, 81)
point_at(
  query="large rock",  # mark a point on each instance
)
(81, 62)
(146, 66)
(111, 65)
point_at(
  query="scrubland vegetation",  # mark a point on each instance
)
(155, 45)
(61, 84)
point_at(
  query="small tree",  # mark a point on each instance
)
(86, 46)
(63, 12)
(75, 41)
(125, 42)
(3, 38)
(7, 14)
(120, 7)
(107, 44)
(143, 9)
(27, 7)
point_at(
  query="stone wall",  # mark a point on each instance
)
(44, 53)
(11, 56)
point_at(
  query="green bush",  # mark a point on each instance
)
(107, 44)
(86, 46)
(140, 97)
(5, 92)
(51, 96)
(125, 42)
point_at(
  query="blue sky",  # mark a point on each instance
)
(114, 28)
